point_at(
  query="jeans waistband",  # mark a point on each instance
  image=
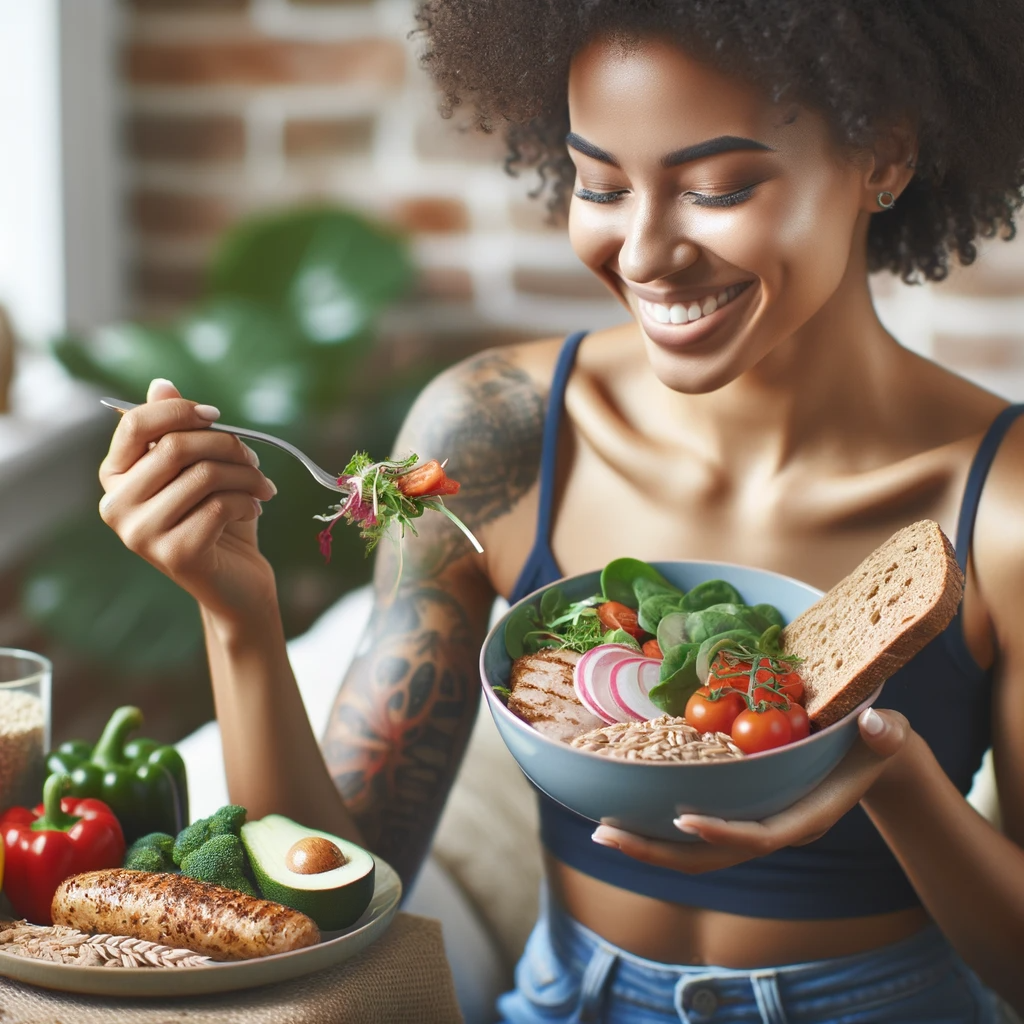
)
(914, 962)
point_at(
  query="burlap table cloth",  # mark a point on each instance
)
(402, 977)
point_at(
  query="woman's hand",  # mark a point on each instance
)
(186, 499)
(883, 738)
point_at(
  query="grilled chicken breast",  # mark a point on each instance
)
(543, 695)
(178, 911)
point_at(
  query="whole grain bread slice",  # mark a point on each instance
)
(875, 620)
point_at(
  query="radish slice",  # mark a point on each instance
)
(625, 686)
(631, 681)
(592, 680)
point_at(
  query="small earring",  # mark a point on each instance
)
(885, 200)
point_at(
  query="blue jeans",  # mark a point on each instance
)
(570, 975)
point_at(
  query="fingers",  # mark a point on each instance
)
(883, 732)
(689, 858)
(146, 424)
(179, 550)
(182, 496)
(160, 388)
(176, 454)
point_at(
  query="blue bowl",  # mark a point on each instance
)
(644, 798)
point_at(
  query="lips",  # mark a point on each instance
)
(690, 320)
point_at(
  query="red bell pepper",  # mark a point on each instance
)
(60, 838)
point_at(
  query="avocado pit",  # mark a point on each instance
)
(314, 855)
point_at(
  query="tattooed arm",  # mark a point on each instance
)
(405, 710)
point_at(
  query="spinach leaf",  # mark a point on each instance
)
(552, 604)
(619, 578)
(770, 614)
(672, 630)
(678, 679)
(711, 592)
(522, 622)
(653, 609)
(719, 618)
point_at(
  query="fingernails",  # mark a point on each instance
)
(872, 722)
(271, 485)
(254, 459)
(156, 385)
(106, 501)
(603, 839)
(208, 412)
(685, 825)
(258, 506)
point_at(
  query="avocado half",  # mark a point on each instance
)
(334, 899)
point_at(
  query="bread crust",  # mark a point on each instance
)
(831, 694)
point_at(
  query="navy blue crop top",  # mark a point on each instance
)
(850, 871)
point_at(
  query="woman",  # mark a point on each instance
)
(732, 172)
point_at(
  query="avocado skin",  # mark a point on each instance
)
(331, 909)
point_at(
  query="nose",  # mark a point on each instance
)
(655, 245)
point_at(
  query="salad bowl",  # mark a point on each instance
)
(645, 797)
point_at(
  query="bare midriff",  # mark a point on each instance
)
(675, 934)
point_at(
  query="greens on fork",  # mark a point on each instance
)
(382, 493)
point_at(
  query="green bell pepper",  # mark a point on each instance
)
(143, 782)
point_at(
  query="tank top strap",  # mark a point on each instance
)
(981, 464)
(549, 442)
(540, 567)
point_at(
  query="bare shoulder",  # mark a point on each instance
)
(998, 540)
(485, 416)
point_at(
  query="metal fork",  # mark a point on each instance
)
(319, 474)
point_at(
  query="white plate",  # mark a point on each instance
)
(334, 948)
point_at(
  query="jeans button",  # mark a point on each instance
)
(704, 1002)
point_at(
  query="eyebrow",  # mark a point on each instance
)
(698, 151)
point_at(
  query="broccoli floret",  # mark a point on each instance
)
(227, 820)
(220, 860)
(151, 853)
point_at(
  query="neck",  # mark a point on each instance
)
(828, 384)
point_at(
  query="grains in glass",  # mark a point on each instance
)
(24, 726)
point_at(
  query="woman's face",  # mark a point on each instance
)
(724, 222)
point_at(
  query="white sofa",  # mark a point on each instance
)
(483, 876)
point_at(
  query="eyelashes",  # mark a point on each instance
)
(598, 197)
(697, 198)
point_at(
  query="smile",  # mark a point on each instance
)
(693, 309)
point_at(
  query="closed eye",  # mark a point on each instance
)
(729, 199)
(590, 196)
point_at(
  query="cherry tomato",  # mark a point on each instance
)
(799, 723)
(717, 715)
(729, 672)
(651, 649)
(426, 480)
(769, 693)
(792, 686)
(754, 731)
(613, 615)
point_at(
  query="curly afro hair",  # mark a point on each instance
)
(955, 70)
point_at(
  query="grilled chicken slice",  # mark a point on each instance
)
(543, 695)
(178, 911)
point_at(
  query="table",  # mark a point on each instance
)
(403, 977)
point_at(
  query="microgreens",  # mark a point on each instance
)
(375, 499)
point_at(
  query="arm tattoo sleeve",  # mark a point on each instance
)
(404, 713)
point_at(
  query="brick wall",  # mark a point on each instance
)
(230, 106)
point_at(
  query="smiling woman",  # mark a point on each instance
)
(732, 172)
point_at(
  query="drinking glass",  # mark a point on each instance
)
(25, 680)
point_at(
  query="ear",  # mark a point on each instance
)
(890, 165)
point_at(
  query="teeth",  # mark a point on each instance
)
(688, 312)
